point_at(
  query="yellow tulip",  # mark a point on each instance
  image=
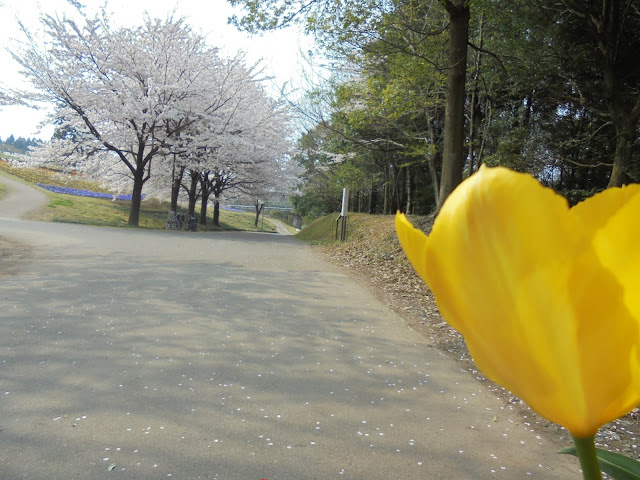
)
(547, 297)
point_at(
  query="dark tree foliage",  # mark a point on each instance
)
(552, 87)
(20, 145)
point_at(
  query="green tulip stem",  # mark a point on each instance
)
(586, 449)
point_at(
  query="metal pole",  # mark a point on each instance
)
(343, 214)
(345, 202)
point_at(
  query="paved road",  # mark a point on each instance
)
(19, 199)
(132, 354)
(281, 228)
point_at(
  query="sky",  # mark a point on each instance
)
(280, 52)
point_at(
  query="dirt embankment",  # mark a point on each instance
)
(374, 257)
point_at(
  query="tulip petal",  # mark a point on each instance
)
(611, 220)
(497, 250)
(596, 211)
(607, 384)
(616, 239)
(496, 229)
(616, 245)
(414, 243)
(536, 290)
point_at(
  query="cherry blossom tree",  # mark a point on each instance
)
(239, 146)
(249, 159)
(155, 104)
(127, 91)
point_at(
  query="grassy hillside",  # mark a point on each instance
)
(95, 211)
(375, 232)
(48, 176)
(320, 231)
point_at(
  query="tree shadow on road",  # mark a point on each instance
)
(215, 369)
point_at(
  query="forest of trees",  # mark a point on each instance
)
(18, 145)
(426, 91)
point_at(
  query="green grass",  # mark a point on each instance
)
(104, 212)
(96, 211)
(292, 230)
(49, 176)
(61, 202)
(361, 228)
(321, 231)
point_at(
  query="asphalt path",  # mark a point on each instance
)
(137, 354)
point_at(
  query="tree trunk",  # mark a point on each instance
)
(193, 195)
(373, 199)
(136, 198)
(609, 25)
(216, 212)
(175, 189)
(385, 206)
(409, 189)
(203, 208)
(431, 161)
(206, 189)
(398, 186)
(453, 154)
(486, 123)
(433, 173)
(624, 114)
(259, 209)
(474, 108)
(622, 162)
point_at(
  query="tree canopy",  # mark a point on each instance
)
(551, 87)
(129, 100)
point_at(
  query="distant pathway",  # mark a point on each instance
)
(19, 198)
(144, 355)
(281, 228)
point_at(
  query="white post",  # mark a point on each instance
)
(345, 202)
(343, 214)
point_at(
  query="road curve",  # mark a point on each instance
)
(19, 198)
(135, 354)
(281, 228)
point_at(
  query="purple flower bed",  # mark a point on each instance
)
(83, 193)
